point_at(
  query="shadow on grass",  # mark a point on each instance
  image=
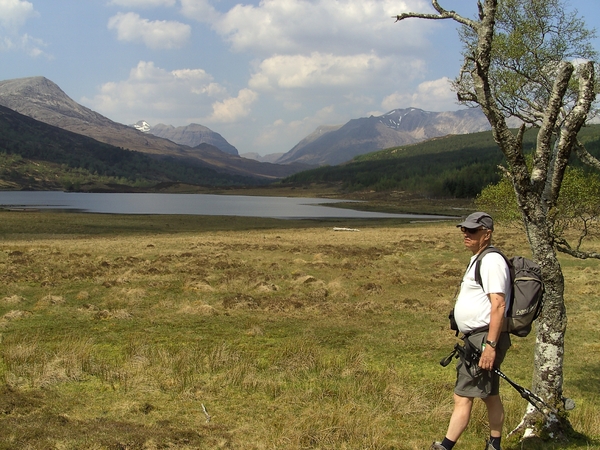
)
(587, 379)
(26, 422)
(575, 441)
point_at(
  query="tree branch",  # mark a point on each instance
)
(586, 157)
(520, 134)
(464, 97)
(573, 123)
(442, 14)
(585, 98)
(543, 152)
(577, 253)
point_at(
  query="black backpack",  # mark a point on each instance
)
(527, 292)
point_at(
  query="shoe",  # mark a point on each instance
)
(489, 446)
(437, 446)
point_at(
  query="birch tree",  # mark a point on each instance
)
(532, 59)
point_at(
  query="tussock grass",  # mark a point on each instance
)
(114, 331)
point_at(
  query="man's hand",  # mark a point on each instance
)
(486, 362)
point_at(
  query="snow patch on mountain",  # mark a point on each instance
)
(142, 126)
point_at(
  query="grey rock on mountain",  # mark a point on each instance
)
(338, 144)
(191, 135)
(41, 99)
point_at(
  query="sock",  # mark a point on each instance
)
(495, 442)
(448, 444)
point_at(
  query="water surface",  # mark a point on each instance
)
(195, 204)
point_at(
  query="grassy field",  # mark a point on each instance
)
(188, 332)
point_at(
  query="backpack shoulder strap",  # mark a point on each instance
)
(490, 249)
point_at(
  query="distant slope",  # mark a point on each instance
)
(270, 158)
(305, 148)
(338, 144)
(191, 135)
(35, 155)
(41, 99)
(451, 166)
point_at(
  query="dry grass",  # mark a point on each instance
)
(290, 337)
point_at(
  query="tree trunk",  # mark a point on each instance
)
(550, 338)
(529, 190)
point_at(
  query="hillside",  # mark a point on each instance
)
(452, 166)
(338, 144)
(41, 99)
(191, 135)
(271, 158)
(35, 155)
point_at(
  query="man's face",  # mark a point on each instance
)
(476, 239)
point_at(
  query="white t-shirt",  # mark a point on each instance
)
(473, 306)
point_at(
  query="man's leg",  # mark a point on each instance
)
(495, 411)
(460, 417)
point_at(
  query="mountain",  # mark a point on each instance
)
(35, 155)
(338, 144)
(452, 166)
(191, 135)
(41, 99)
(270, 158)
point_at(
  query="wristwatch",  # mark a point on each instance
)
(491, 343)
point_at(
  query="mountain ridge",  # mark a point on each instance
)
(36, 155)
(338, 144)
(43, 100)
(191, 135)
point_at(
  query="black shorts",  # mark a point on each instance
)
(475, 382)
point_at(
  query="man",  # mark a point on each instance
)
(479, 314)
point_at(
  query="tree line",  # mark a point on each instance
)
(61, 155)
(458, 166)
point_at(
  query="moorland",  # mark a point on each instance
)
(191, 332)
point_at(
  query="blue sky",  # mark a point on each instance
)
(264, 74)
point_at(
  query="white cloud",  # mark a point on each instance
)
(157, 34)
(433, 95)
(310, 63)
(14, 13)
(6, 44)
(234, 108)
(33, 46)
(25, 43)
(356, 84)
(142, 3)
(292, 26)
(290, 133)
(153, 93)
(316, 70)
(200, 10)
(313, 53)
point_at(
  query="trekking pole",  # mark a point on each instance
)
(534, 400)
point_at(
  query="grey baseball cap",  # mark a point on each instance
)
(478, 219)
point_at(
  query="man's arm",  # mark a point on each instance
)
(496, 320)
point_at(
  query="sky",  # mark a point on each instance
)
(262, 73)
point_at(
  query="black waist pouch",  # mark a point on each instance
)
(453, 325)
